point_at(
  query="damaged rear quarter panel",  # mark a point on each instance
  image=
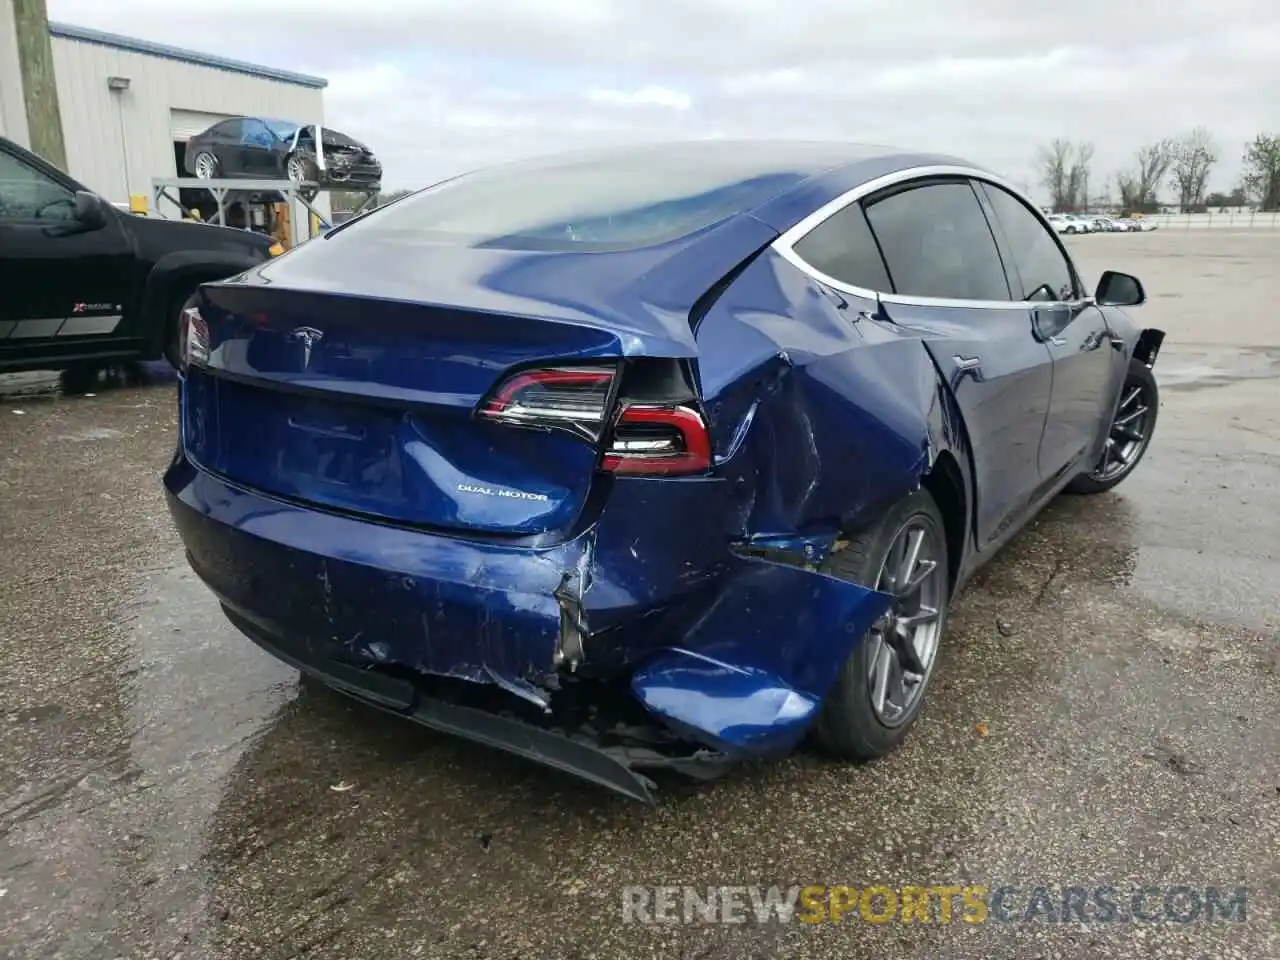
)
(820, 417)
(820, 414)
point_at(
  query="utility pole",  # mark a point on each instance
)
(40, 90)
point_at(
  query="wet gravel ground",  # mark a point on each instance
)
(1106, 713)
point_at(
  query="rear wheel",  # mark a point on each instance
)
(880, 690)
(205, 165)
(1130, 433)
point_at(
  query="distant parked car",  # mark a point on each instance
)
(264, 149)
(1071, 223)
(1060, 223)
(1113, 225)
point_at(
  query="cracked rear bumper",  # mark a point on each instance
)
(733, 654)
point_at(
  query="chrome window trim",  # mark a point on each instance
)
(784, 245)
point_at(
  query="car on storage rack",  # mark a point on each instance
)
(261, 148)
(88, 283)
(654, 458)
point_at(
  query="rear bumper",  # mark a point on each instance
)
(727, 652)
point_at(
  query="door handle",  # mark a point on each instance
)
(1117, 343)
(966, 363)
(1058, 341)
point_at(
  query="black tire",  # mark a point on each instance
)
(1140, 377)
(848, 725)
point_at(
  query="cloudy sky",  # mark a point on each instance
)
(441, 86)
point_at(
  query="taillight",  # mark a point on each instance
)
(575, 398)
(658, 440)
(644, 438)
(193, 338)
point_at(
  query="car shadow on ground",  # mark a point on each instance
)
(33, 385)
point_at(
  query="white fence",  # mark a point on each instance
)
(1216, 221)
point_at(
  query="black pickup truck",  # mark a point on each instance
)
(84, 283)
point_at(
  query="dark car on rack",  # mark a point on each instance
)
(260, 148)
(89, 284)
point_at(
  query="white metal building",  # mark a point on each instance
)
(128, 106)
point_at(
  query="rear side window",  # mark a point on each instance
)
(1042, 268)
(937, 243)
(843, 248)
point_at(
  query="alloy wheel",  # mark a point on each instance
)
(1128, 435)
(206, 167)
(904, 642)
(295, 169)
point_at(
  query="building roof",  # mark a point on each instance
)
(68, 32)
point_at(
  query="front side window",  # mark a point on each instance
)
(937, 243)
(843, 248)
(1041, 265)
(282, 129)
(256, 134)
(28, 194)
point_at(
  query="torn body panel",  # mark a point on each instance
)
(750, 675)
(821, 413)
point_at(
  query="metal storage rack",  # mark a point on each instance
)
(299, 195)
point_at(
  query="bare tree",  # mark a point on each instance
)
(1078, 176)
(1138, 186)
(1052, 161)
(1193, 157)
(1262, 170)
(1064, 172)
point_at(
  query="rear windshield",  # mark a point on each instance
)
(610, 202)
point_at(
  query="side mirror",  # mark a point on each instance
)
(90, 210)
(1119, 290)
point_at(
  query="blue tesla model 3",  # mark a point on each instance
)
(649, 459)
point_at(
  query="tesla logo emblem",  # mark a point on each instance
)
(308, 337)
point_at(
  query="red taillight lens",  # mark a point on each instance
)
(572, 397)
(658, 441)
(193, 338)
(645, 439)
